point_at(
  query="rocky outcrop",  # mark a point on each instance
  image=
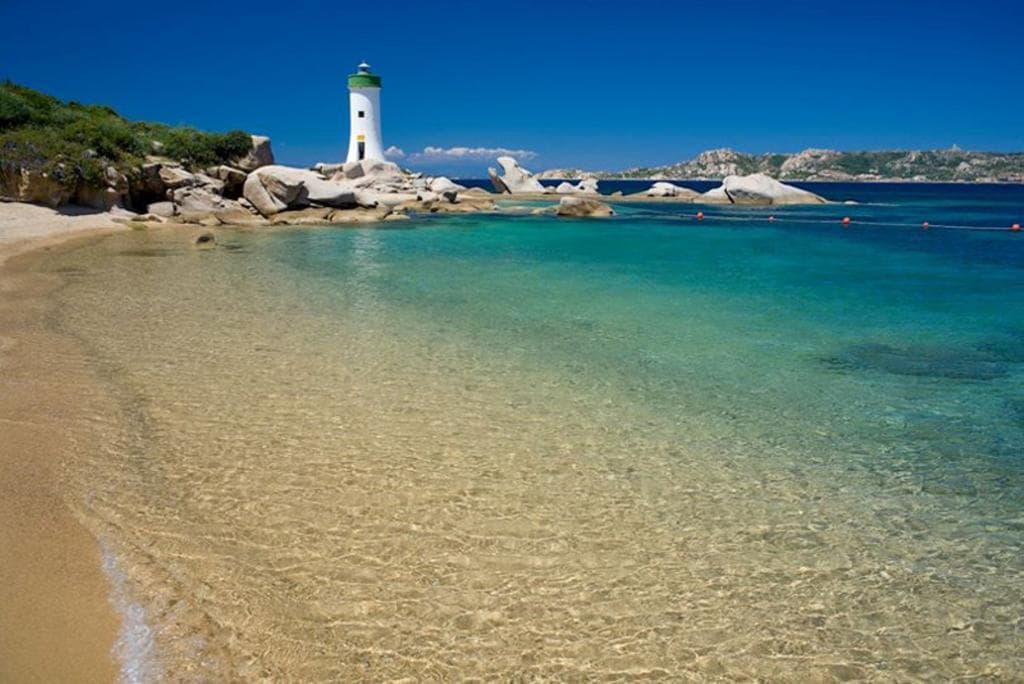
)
(365, 184)
(162, 209)
(58, 187)
(326, 169)
(498, 182)
(273, 189)
(582, 208)
(265, 203)
(52, 188)
(174, 177)
(514, 178)
(371, 172)
(663, 189)
(587, 186)
(757, 188)
(197, 204)
(370, 190)
(113, 192)
(442, 184)
(233, 180)
(259, 155)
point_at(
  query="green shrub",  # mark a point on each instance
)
(197, 149)
(14, 111)
(40, 132)
(111, 138)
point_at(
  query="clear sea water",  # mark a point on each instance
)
(643, 447)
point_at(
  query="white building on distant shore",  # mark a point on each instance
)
(364, 114)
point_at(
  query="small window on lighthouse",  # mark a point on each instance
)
(362, 115)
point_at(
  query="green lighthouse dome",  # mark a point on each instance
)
(363, 78)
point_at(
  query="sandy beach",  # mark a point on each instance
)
(57, 623)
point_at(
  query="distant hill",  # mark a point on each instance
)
(951, 164)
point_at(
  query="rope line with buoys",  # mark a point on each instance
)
(845, 221)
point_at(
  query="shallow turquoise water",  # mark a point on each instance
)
(643, 447)
(889, 349)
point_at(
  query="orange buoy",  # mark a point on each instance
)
(925, 225)
(846, 220)
(1015, 227)
(700, 215)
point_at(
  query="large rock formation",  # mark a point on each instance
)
(758, 188)
(587, 186)
(514, 179)
(260, 155)
(366, 184)
(233, 180)
(663, 189)
(173, 177)
(200, 204)
(59, 186)
(272, 189)
(111, 192)
(582, 207)
(442, 184)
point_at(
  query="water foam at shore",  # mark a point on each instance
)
(135, 648)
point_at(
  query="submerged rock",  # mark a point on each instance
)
(359, 215)
(935, 362)
(310, 216)
(582, 207)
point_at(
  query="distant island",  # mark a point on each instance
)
(951, 164)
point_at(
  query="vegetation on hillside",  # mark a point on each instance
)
(71, 141)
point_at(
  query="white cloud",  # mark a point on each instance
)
(456, 154)
(394, 152)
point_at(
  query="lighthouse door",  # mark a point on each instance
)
(362, 151)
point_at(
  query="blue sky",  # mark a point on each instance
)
(594, 84)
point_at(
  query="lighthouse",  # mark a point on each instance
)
(364, 114)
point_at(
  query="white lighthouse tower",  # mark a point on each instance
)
(364, 114)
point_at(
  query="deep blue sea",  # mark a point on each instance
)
(648, 445)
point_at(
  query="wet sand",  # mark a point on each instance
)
(56, 621)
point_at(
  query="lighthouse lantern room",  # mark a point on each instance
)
(364, 115)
